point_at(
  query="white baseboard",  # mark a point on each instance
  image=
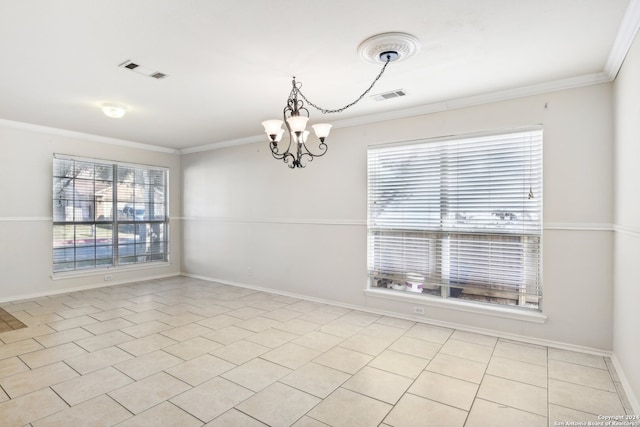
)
(85, 287)
(633, 399)
(421, 319)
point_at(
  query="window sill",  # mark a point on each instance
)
(107, 270)
(450, 304)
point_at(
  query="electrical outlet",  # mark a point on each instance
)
(250, 271)
(108, 277)
(418, 310)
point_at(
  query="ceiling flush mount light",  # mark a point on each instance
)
(382, 48)
(115, 111)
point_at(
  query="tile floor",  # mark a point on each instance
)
(184, 352)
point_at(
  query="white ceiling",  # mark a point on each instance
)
(230, 62)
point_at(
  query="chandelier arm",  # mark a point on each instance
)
(339, 110)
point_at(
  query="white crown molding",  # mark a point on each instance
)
(85, 136)
(624, 39)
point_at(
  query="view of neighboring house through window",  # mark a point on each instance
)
(458, 218)
(107, 214)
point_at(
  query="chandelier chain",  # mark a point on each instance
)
(340, 110)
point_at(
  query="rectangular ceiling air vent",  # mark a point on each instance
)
(141, 69)
(389, 95)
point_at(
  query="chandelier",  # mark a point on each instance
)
(382, 48)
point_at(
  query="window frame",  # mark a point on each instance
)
(443, 294)
(156, 235)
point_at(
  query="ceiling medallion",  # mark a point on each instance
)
(382, 48)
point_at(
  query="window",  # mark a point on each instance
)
(458, 218)
(108, 214)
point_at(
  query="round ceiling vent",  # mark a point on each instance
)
(398, 46)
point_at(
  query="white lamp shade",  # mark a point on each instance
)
(297, 123)
(115, 111)
(271, 127)
(304, 136)
(279, 134)
(322, 129)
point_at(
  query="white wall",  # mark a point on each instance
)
(626, 318)
(250, 220)
(26, 229)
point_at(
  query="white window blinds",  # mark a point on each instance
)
(458, 217)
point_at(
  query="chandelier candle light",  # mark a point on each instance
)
(382, 48)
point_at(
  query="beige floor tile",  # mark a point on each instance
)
(98, 360)
(228, 335)
(148, 364)
(298, 326)
(366, 344)
(315, 379)
(105, 340)
(258, 324)
(309, 422)
(443, 389)
(514, 394)
(485, 413)
(147, 328)
(378, 384)
(320, 317)
(30, 407)
(192, 348)
(431, 333)
(416, 411)
(560, 415)
(88, 386)
(518, 371)
(291, 355)
(220, 321)
(467, 350)
(305, 306)
(256, 374)
(340, 329)
(3, 396)
(112, 314)
(26, 382)
(457, 367)
(146, 344)
(148, 392)
(272, 338)
(344, 360)
(24, 333)
(186, 332)
(521, 352)
(234, 418)
(240, 352)
(415, 347)
(245, 313)
(474, 338)
(200, 369)
(76, 322)
(344, 408)
(282, 314)
(75, 312)
(395, 322)
(51, 355)
(63, 337)
(146, 316)
(12, 366)
(36, 320)
(163, 415)
(318, 341)
(577, 358)
(359, 318)
(581, 374)
(209, 310)
(182, 319)
(399, 363)
(18, 348)
(385, 332)
(278, 405)
(585, 399)
(212, 398)
(108, 326)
